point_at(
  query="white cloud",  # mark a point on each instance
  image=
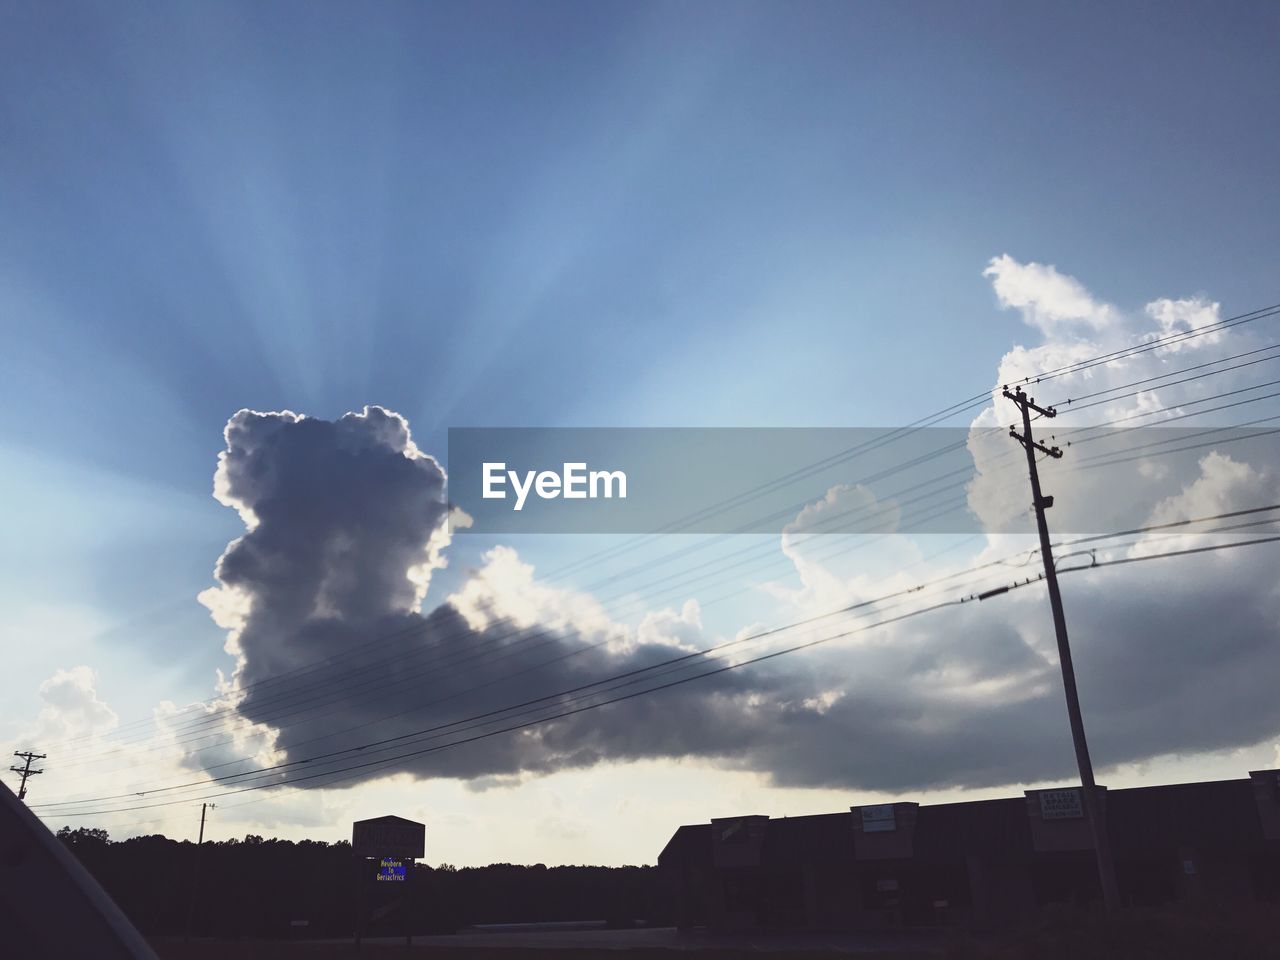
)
(1053, 302)
(72, 707)
(1224, 485)
(1182, 316)
(967, 699)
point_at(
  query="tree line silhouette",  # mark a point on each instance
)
(258, 887)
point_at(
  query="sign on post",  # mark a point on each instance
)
(393, 837)
(395, 843)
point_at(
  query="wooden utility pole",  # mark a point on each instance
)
(1092, 807)
(195, 875)
(25, 770)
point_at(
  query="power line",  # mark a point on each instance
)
(345, 680)
(418, 706)
(1171, 373)
(526, 725)
(1047, 376)
(945, 412)
(345, 773)
(407, 677)
(1146, 346)
(1099, 460)
(638, 672)
(1186, 403)
(496, 715)
(980, 398)
(1076, 441)
(699, 653)
(1173, 525)
(218, 718)
(410, 676)
(951, 410)
(792, 508)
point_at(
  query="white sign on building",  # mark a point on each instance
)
(878, 818)
(1061, 805)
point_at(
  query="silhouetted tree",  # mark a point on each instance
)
(256, 886)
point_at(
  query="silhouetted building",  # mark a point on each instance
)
(979, 863)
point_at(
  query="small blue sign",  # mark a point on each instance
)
(390, 871)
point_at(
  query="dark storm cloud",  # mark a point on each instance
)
(1159, 673)
(340, 514)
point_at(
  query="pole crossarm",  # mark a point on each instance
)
(1022, 400)
(1054, 452)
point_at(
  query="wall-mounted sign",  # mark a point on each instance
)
(878, 818)
(1061, 805)
(740, 829)
(393, 837)
(390, 871)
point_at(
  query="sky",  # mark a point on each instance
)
(599, 214)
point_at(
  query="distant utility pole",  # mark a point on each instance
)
(25, 770)
(195, 876)
(1092, 808)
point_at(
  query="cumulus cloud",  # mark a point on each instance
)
(1127, 393)
(72, 708)
(345, 521)
(321, 597)
(90, 754)
(1183, 316)
(1170, 658)
(1222, 486)
(1053, 302)
(835, 568)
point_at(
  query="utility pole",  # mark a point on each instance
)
(1092, 808)
(195, 878)
(25, 770)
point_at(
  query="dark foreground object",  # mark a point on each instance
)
(50, 907)
(1163, 934)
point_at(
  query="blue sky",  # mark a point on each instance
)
(590, 213)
